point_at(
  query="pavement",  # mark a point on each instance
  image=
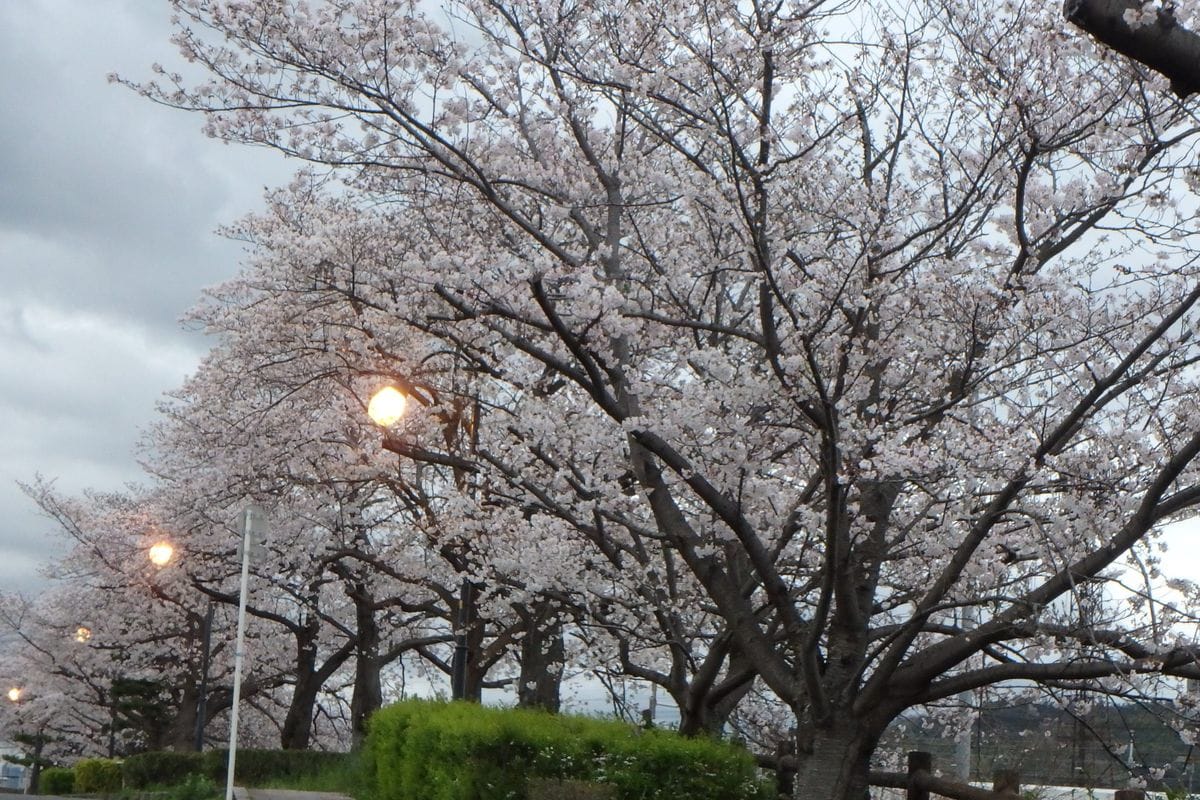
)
(241, 793)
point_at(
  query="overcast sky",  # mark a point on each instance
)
(108, 207)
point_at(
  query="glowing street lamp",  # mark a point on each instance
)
(387, 406)
(83, 633)
(14, 694)
(160, 553)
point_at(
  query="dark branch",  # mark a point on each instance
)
(1163, 45)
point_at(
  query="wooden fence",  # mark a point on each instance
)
(918, 782)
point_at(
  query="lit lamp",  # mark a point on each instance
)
(160, 553)
(14, 694)
(387, 406)
(83, 633)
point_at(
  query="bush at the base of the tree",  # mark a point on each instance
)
(57, 780)
(422, 750)
(161, 768)
(194, 787)
(559, 789)
(253, 767)
(258, 767)
(97, 776)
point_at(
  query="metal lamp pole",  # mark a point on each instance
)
(458, 666)
(253, 524)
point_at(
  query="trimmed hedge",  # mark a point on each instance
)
(425, 750)
(56, 780)
(254, 767)
(97, 776)
(162, 768)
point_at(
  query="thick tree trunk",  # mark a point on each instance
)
(541, 657)
(475, 671)
(296, 732)
(297, 725)
(833, 763)
(181, 733)
(368, 689)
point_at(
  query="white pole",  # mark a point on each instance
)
(252, 520)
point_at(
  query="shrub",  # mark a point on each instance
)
(97, 776)
(253, 767)
(556, 789)
(256, 767)
(194, 787)
(57, 780)
(424, 750)
(161, 768)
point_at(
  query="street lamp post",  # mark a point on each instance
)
(386, 408)
(458, 666)
(253, 524)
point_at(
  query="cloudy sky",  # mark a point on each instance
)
(108, 206)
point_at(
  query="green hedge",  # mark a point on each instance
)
(56, 780)
(256, 767)
(97, 776)
(162, 768)
(421, 750)
(253, 767)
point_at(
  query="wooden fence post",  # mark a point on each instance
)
(1007, 781)
(918, 761)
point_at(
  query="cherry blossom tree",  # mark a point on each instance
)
(879, 321)
(112, 625)
(305, 581)
(266, 317)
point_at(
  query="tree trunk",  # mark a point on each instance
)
(35, 775)
(541, 657)
(833, 762)
(181, 732)
(475, 671)
(368, 689)
(297, 725)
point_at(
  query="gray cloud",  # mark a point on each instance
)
(108, 207)
(110, 202)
